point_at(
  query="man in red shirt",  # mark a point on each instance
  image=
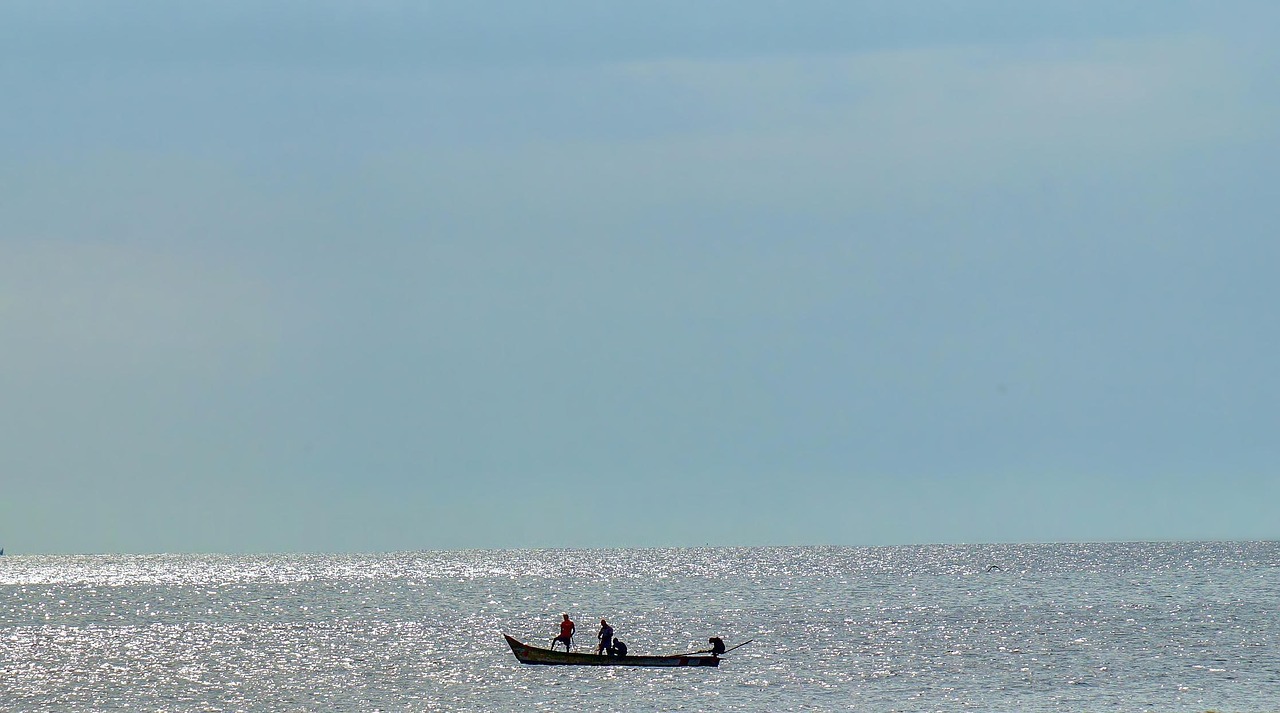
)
(566, 633)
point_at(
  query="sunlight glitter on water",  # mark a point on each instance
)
(1128, 626)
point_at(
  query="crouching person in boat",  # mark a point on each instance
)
(566, 633)
(717, 646)
(619, 648)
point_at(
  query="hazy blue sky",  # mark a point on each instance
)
(346, 276)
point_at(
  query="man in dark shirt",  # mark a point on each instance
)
(605, 636)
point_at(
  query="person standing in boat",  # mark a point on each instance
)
(566, 633)
(605, 636)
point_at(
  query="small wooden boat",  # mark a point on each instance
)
(534, 655)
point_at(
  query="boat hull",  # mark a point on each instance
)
(546, 657)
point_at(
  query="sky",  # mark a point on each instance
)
(363, 277)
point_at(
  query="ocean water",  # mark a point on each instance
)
(1057, 627)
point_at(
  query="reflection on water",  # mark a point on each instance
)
(1175, 626)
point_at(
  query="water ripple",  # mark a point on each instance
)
(1127, 626)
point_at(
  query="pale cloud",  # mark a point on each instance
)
(112, 308)
(807, 131)
(842, 135)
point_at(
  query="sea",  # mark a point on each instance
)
(1145, 626)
